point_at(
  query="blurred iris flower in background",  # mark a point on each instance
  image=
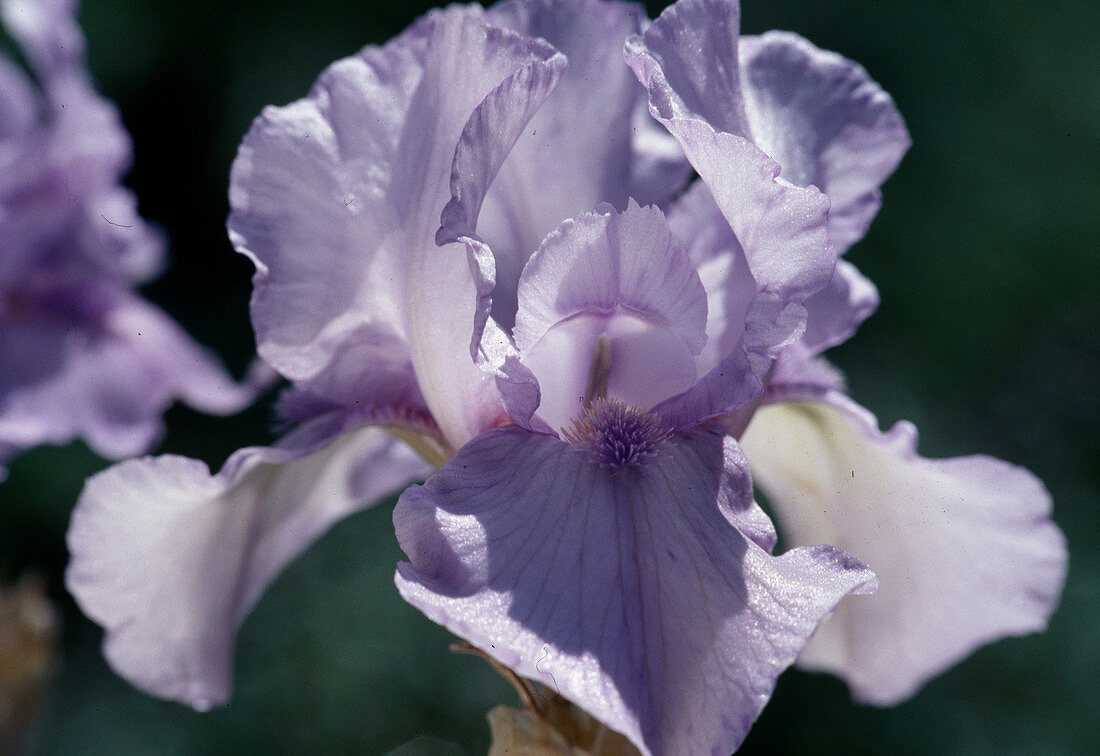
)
(82, 355)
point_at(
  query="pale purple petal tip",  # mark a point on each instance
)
(688, 60)
(170, 559)
(823, 119)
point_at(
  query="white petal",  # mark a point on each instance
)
(964, 548)
(170, 559)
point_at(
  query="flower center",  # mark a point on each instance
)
(619, 434)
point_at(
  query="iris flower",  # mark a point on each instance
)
(81, 353)
(482, 242)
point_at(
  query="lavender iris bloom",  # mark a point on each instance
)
(81, 355)
(477, 238)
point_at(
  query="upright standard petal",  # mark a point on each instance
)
(641, 593)
(964, 548)
(823, 119)
(780, 229)
(688, 61)
(170, 559)
(337, 200)
(583, 147)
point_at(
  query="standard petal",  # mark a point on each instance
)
(621, 275)
(485, 143)
(964, 548)
(583, 147)
(823, 119)
(834, 313)
(641, 594)
(337, 199)
(781, 231)
(688, 61)
(301, 213)
(170, 559)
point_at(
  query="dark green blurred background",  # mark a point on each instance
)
(987, 338)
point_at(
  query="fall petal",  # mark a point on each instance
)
(964, 548)
(170, 559)
(580, 576)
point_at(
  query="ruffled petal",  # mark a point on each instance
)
(485, 143)
(823, 119)
(337, 199)
(688, 61)
(170, 559)
(621, 275)
(103, 364)
(641, 594)
(781, 231)
(834, 313)
(964, 548)
(307, 208)
(581, 148)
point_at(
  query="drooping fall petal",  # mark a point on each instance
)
(964, 548)
(170, 559)
(642, 593)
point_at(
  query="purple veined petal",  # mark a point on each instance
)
(836, 312)
(823, 119)
(581, 148)
(103, 364)
(337, 200)
(619, 274)
(170, 559)
(688, 60)
(964, 548)
(639, 593)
